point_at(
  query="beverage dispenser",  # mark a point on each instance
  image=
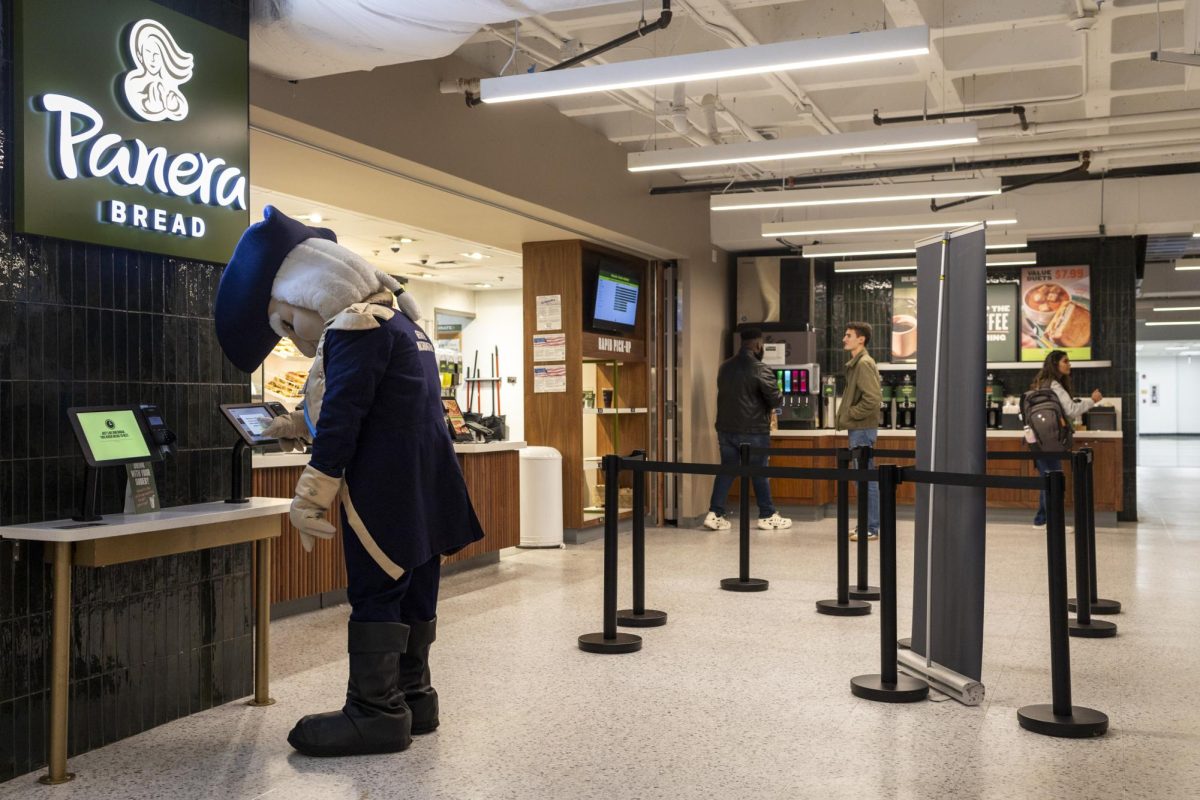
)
(801, 387)
(886, 411)
(906, 404)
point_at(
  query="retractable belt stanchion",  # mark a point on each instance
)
(610, 641)
(1099, 604)
(639, 616)
(1083, 625)
(862, 590)
(842, 605)
(743, 582)
(889, 686)
(1060, 717)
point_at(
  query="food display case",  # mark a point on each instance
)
(282, 375)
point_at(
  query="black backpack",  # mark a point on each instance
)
(1043, 414)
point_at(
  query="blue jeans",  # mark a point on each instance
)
(1043, 466)
(730, 443)
(866, 438)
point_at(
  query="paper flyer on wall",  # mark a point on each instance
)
(550, 378)
(1056, 312)
(550, 347)
(549, 312)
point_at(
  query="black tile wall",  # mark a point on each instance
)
(89, 325)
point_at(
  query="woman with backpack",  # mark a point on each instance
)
(1055, 375)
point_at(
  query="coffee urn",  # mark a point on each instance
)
(886, 415)
(906, 404)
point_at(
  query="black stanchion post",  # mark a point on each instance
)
(889, 686)
(1100, 605)
(1060, 717)
(843, 606)
(743, 582)
(610, 641)
(1083, 625)
(862, 590)
(639, 616)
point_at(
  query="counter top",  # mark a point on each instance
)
(275, 460)
(112, 525)
(911, 434)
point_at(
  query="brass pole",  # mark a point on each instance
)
(262, 624)
(60, 667)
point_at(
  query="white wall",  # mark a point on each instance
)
(1178, 382)
(432, 296)
(498, 321)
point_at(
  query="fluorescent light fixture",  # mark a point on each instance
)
(1184, 264)
(847, 195)
(876, 140)
(1196, 232)
(1181, 322)
(909, 264)
(1176, 57)
(890, 247)
(1190, 353)
(1181, 347)
(830, 51)
(1177, 308)
(914, 222)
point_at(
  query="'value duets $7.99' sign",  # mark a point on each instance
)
(133, 128)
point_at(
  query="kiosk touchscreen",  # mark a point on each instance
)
(112, 435)
(250, 420)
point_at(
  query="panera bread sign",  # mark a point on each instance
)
(133, 128)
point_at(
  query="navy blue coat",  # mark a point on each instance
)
(381, 425)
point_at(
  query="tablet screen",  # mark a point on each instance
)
(113, 436)
(252, 420)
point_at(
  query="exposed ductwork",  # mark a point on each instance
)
(296, 39)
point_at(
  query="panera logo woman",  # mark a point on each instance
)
(160, 67)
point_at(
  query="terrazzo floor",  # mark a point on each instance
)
(740, 695)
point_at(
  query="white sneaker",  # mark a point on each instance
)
(716, 523)
(774, 523)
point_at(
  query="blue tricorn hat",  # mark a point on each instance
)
(240, 312)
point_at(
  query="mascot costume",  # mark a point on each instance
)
(373, 415)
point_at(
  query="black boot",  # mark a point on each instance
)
(375, 718)
(414, 677)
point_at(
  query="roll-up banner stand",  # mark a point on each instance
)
(951, 375)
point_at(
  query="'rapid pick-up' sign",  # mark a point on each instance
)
(133, 128)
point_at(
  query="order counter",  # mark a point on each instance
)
(1107, 465)
(301, 581)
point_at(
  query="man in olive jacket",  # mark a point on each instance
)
(858, 414)
(747, 396)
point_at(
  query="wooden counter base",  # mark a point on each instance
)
(493, 481)
(1107, 473)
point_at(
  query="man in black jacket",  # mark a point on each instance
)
(747, 396)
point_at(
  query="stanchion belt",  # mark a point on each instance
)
(911, 475)
(998, 455)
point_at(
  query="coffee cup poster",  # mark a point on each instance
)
(904, 319)
(1056, 312)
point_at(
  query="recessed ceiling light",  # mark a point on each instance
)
(476, 256)
(836, 144)
(848, 195)
(427, 275)
(406, 240)
(917, 222)
(482, 285)
(709, 65)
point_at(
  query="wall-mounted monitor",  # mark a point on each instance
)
(111, 435)
(616, 303)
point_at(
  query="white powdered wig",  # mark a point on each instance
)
(324, 276)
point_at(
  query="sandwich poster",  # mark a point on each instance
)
(1056, 312)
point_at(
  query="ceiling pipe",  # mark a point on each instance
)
(1069, 125)
(861, 175)
(643, 28)
(975, 112)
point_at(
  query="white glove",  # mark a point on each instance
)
(314, 495)
(291, 430)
